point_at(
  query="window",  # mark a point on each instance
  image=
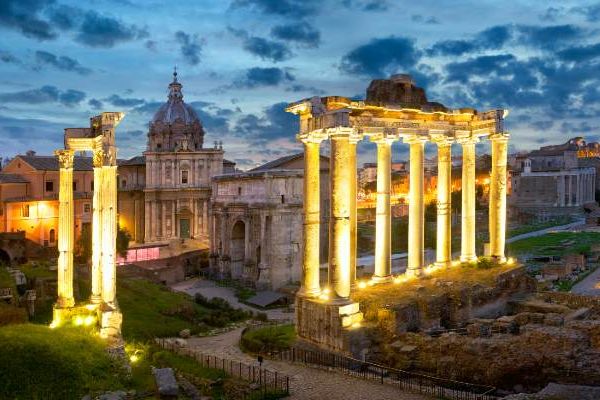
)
(52, 235)
(123, 183)
(239, 191)
(184, 177)
(49, 186)
(25, 211)
(158, 146)
(74, 186)
(282, 199)
(1, 211)
(86, 208)
(92, 186)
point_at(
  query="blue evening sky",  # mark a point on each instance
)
(241, 61)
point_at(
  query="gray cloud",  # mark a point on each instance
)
(62, 63)
(190, 47)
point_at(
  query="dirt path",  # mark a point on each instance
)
(306, 383)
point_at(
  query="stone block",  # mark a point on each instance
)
(165, 382)
(110, 323)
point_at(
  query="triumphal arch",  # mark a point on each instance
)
(394, 110)
(102, 309)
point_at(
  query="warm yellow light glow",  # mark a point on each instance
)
(54, 324)
(133, 358)
(91, 307)
(78, 321)
(356, 324)
(362, 284)
(324, 296)
(510, 261)
(89, 320)
(326, 291)
(370, 283)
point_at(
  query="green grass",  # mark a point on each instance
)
(555, 244)
(280, 337)
(150, 310)
(6, 279)
(37, 270)
(67, 363)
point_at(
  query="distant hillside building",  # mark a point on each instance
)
(257, 222)
(553, 180)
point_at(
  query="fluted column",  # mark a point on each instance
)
(352, 192)
(339, 220)
(468, 212)
(416, 206)
(383, 221)
(96, 295)
(312, 218)
(444, 193)
(497, 210)
(109, 234)
(65, 229)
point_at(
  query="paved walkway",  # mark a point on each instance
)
(306, 383)
(209, 289)
(590, 286)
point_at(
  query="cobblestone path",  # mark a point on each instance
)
(306, 383)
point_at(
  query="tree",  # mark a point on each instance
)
(83, 246)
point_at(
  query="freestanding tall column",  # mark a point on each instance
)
(416, 208)
(66, 228)
(109, 237)
(339, 219)
(312, 217)
(353, 217)
(468, 213)
(383, 222)
(96, 296)
(444, 189)
(498, 196)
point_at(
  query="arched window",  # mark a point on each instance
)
(52, 235)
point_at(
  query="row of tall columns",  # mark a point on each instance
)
(342, 235)
(159, 213)
(65, 229)
(583, 191)
(157, 172)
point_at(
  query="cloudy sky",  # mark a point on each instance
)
(241, 61)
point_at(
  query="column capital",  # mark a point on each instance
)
(98, 158)
(501, 136)
(442, 140)
(383, 139)
(65, 158)
(415, 138)
(467, 140)
(312, 137)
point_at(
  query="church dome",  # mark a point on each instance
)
(175, 126)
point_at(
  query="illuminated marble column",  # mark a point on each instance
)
(468, 212)
(312, 217)
(383, 222)
(416, 206)
(353, 212)
(65, 229)
(109, 226)
(339, 219)
(497, 210)
(96, 296)
(444, 192)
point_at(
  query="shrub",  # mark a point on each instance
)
(270, 338)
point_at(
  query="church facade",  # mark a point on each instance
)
(178, 173)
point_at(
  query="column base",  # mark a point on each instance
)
(468, 259)
(110, 323)
(442, 264)
(499, 259)
(308, 293)
(382, 279)
(415, 272)
(64, 302)
(95, 299)
(327, 324)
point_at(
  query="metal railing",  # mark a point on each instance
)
(405, 380)
(268, 381)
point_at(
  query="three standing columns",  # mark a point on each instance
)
(66, 234)
(468, 214)
(497, 216)
(312, 218)
(416, 207)
(443, 256)
(383, 222)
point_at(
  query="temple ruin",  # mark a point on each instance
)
(102, 308)
(395, 109)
